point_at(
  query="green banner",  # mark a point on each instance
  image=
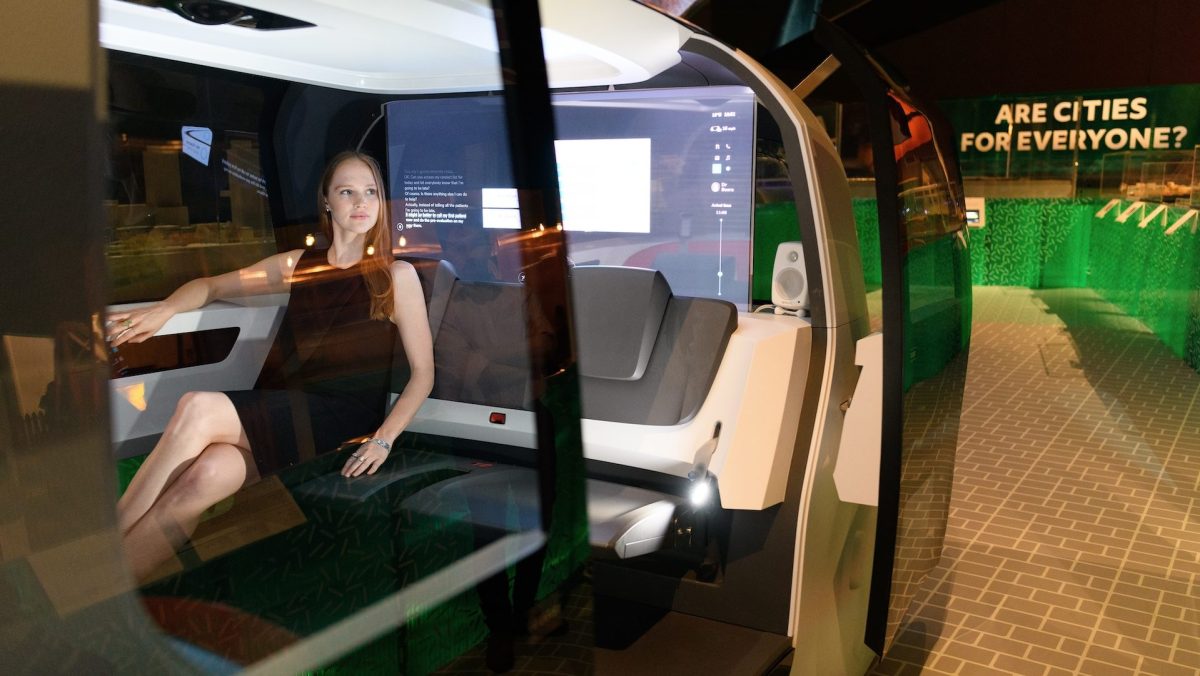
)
(1065, 134)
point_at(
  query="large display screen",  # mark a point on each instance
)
(659, 179)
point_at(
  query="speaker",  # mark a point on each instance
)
(789, 284)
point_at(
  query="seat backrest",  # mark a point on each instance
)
(670, 346)
(437, 277)
(437, 281)
(646, 357)
(618, 315)
(480, 353)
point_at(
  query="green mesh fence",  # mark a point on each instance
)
(1061, 243)
(1151, 275)
(1036, 243)
(937, 314)
(1066, 235)
(1056, 243)
(776, 222)
(866, 222)
(773, 223)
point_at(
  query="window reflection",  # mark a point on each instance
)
(186, 192)
(927, 205)
(937, 270)
(937, 323)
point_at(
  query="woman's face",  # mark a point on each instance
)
(353, 197)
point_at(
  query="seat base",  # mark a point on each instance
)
(627, 520)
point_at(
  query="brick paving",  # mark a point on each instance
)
(1074, 538)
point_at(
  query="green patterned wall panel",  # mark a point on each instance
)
(1037, 243)
(774, 222)
(866, 222)
(1066, 236)
(938, 312)
(1057, 243)
(1192, 346)
(1013, 246)
(1151, 275)
(979, 270)
(567, 547)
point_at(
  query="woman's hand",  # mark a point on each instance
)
(135, 326)
(367, 458)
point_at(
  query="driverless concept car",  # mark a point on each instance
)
(699, 476)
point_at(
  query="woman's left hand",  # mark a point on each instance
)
(367, 458)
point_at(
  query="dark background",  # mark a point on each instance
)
(973, 48)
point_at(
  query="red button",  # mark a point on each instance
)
(497, 418)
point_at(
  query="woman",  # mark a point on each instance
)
(328, 371)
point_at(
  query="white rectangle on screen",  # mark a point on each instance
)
(605, 184)
(503, 219)
(500, 198)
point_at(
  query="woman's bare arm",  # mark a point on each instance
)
(412, 319)
(270, 275)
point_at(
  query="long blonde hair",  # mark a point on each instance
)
(377, 266)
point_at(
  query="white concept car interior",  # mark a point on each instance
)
(711, 419)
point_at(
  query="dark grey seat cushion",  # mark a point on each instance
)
(690, 344)
(437, 280)
(480, 354)
(618, 313)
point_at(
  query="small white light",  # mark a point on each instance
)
(370, 249)
(309, 240)
(403, 242)
(700, 493)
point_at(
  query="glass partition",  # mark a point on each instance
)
(936, 300)
(332, 448)
(259, 420)
(923, 308)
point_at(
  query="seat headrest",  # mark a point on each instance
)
(618, 312)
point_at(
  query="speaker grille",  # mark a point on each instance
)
(790, 284)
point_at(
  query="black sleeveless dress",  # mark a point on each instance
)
(327, 375)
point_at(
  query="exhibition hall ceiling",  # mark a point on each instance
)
(983, 47)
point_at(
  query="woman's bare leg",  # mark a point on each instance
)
(200, 419)
(215, 474)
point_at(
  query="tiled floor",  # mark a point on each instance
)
(1074, 536)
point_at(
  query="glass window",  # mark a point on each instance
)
(937, 317)
(186, 194)
(331, 446)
